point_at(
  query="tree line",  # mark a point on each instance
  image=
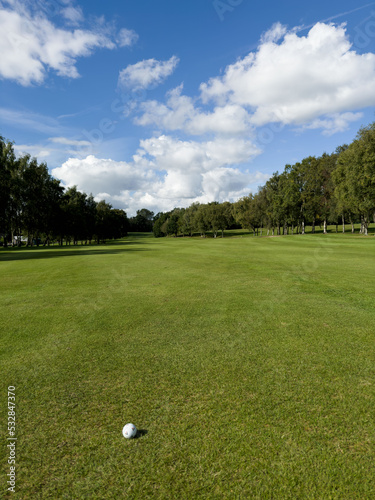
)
(36, 209)
(337, 188)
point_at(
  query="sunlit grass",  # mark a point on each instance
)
(247, 363)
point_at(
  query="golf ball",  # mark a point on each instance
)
(129, 431)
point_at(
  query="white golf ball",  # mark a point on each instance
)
(129, 431)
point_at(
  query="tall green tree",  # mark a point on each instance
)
(327, 164)
(355, 175)
(201, 220)
(311, 191)
(34, 198)
(143, 221)
(7, 191)
(248, 212)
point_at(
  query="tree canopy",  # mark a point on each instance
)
(35, 206)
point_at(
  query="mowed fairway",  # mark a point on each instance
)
(247, 363)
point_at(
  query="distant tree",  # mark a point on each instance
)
(276, 208)
(247, 213)
(173, 223)
(52, 223)
(34, 199)
(7, 168)
(290, 197)
(103, 229)
(343, 200)
(218, 217)
(159, 220)
(76, 214)
(201, 221)
(143, 221)
(327, 164)
(355, 175)
(188, 219)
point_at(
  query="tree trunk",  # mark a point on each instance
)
(343, 223)
(365, 226)
(313, 226)
(325, 226)
(303, 227)
(361, 230)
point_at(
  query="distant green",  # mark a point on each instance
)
(248, 364)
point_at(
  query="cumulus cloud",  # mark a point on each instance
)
(334, 123)
(274, 34)
(94, 175)
(313, 81)
(126, 37)
(299, 79)
(73, 14)
(30, 44)
(181, 113)
(147, 73)
(176, 155)
(166, 172)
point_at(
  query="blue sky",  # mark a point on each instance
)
(162, 104)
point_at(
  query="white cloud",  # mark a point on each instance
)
(95, 175)
(180, 113)
(171, 154)
(31, 45)
(229, 184)
(126, 37)
(73, 14)
(274, 34)
(334, 123)
(298, 80)
(314, 81)
(147, 73)
(69, 142)
(166, 172)
(34, 150)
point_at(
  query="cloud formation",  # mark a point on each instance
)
(147, 73)
(166, 172)
(31, 45)
(204, 146)
(299, 79)
(313, 81)
(126, 37)
(181, 113)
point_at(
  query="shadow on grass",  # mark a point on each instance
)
(140, 433)
(8, 254)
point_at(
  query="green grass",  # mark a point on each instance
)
(247, 363)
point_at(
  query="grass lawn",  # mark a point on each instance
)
(247, 364)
